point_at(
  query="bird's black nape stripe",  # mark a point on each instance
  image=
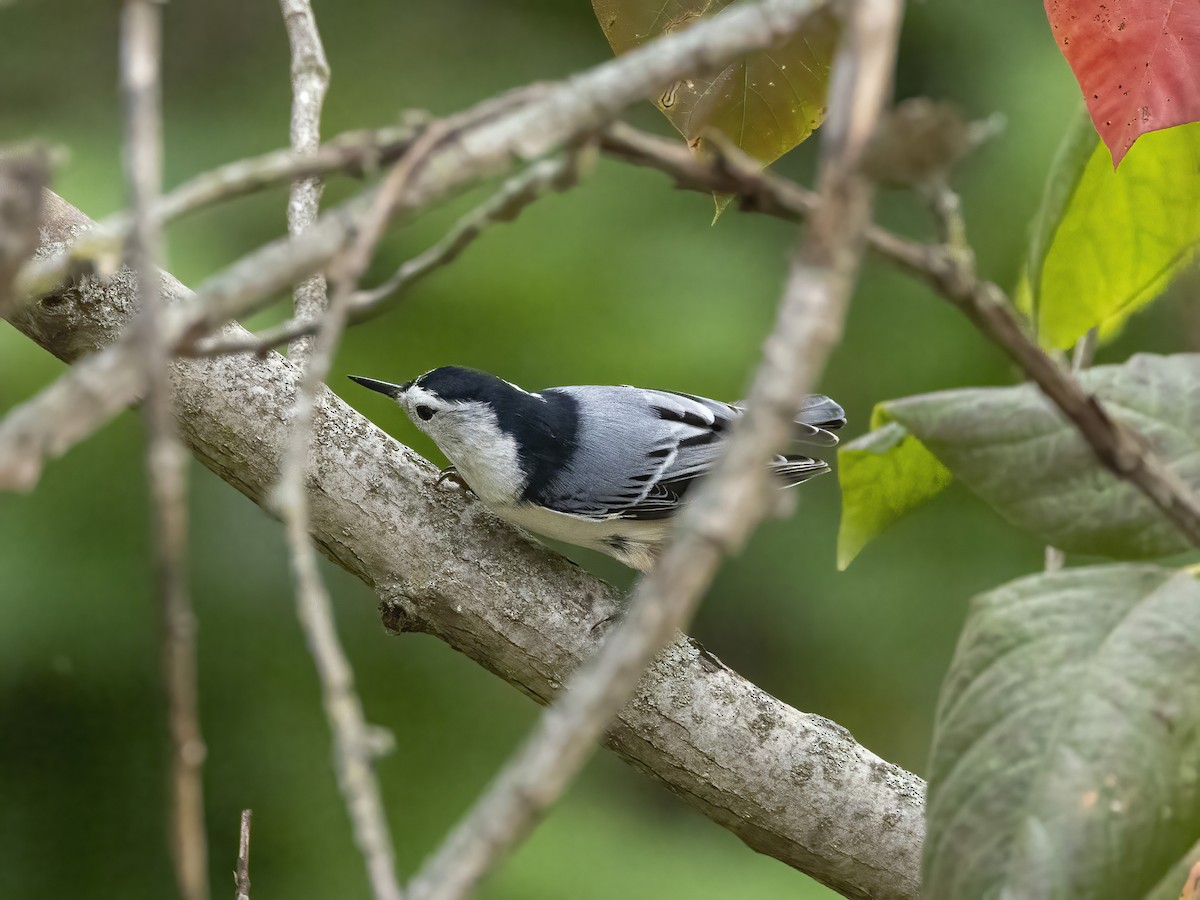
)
(549, 430)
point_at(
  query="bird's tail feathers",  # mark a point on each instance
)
(793, 470)
(817, 419)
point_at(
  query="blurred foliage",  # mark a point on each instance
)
(621, 280)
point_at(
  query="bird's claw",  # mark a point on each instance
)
(451, 474)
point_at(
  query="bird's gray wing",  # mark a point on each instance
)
(637, 451)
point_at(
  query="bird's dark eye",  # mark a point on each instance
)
(425, 412)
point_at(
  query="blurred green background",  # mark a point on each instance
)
(621, 280)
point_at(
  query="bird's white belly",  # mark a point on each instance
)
(632, 542)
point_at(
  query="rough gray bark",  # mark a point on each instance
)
(791, 785)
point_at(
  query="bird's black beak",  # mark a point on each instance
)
(383, 387)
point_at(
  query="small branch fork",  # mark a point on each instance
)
(505, 205)
(166, 458)
(729, 503)
(353, 152)
(355, 742)
(950, 270)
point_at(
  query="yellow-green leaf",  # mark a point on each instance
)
(1106, 243)
(884, 475)
(766, 103)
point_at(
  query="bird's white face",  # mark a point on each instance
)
(468, 433)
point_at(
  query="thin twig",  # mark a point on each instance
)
(357, 152)
(310, 82)
(1119, 448)
(166, 459)
(505, 205)
(241, 875)
(728, 170)
(728, 503)
(1085, 350)
(355, 743)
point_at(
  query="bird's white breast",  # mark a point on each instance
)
(484, 455)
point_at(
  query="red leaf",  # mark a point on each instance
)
(1137, 61)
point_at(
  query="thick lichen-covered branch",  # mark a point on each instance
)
(791, 785)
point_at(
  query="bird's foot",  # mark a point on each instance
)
(451, 474)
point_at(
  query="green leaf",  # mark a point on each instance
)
(1014, 449)
(1066, 759)
(766, 103)
(884, 475)
(1078, 146)
(1106, 243)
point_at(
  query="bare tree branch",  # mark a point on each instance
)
(728, 504)
(950, 271)
(505, 205)
(487, 141)
(352, 151)
(791, 785)
(241, 875)
(141, 27)
(355, 743)
(310, 82)
(1085, 350)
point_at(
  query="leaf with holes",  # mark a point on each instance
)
(1013, 448)
(1107, 243)
(1136, 63)
(884, 475)
(766, 104)
(1066, 757)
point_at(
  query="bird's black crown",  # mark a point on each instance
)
(462, 383)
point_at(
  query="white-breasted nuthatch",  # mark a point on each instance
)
(596, 466)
